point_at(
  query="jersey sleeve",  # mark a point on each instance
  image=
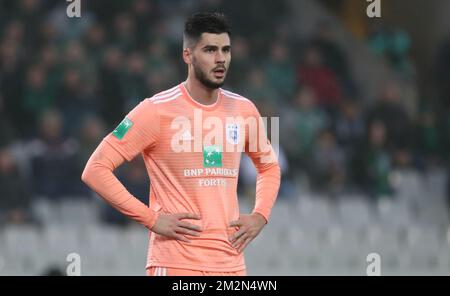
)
(263, 156)
(138, 131)
(98, 175)
(257, 144)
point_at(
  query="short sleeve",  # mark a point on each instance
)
(137, 132)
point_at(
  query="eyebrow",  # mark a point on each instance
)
(216, 47)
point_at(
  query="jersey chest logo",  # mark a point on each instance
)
(212, 156)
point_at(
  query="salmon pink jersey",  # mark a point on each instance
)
(191, 152)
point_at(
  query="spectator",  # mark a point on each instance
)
(241, 65)
(390, 112)
(75, 100)
(38, 96)
(15, 194)
(428, 144)
(125, 32)
(258, 88)
(443, 73)
(334, 57)
(328, 165)
(11, 73)
(51, 63)
(95, 42)
(53, 158)
(280, 71)
(310, 120)
(315, 75)
(158, 63)
(350, 129)
(145, 14)
(133, 80)
(394, 45)
(373, 165)
(110, 89)
(75, 58)
(29, 13)
(7, 129)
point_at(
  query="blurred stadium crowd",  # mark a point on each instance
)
(65, 83)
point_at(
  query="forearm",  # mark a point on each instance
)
(267, 185)
(98, 175)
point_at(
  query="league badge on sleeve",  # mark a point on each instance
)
(122, 129)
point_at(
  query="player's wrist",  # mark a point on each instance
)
(261, 217)
(153, 219)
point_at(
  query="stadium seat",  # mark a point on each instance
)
(45, 211)
(78, 211)
(393, 214)
(23, 248)
(315, 212)
(354, 212)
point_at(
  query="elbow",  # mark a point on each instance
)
(277, 173)
(85, 176)
(272, 168)
(276, 169)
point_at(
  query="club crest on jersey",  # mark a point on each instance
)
(233, 135)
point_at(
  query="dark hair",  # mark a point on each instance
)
(204, 22)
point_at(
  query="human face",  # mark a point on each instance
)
(210, 59)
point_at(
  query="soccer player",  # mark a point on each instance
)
(189, 137)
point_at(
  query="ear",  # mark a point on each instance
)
(187, 55)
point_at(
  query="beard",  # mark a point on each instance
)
(201, 76)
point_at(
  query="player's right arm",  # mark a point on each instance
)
(137, 132)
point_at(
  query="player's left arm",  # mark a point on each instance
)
(267, 184)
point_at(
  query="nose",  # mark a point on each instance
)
(220, 57)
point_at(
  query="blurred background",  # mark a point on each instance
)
(364, 129)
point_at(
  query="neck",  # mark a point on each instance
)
(201, 93)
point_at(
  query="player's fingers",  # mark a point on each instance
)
(235, 223)
(189, 226)
(187, 216)
(186, 231)
(236, 235)
(240, 240)
(180, 237)
(244, 245)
